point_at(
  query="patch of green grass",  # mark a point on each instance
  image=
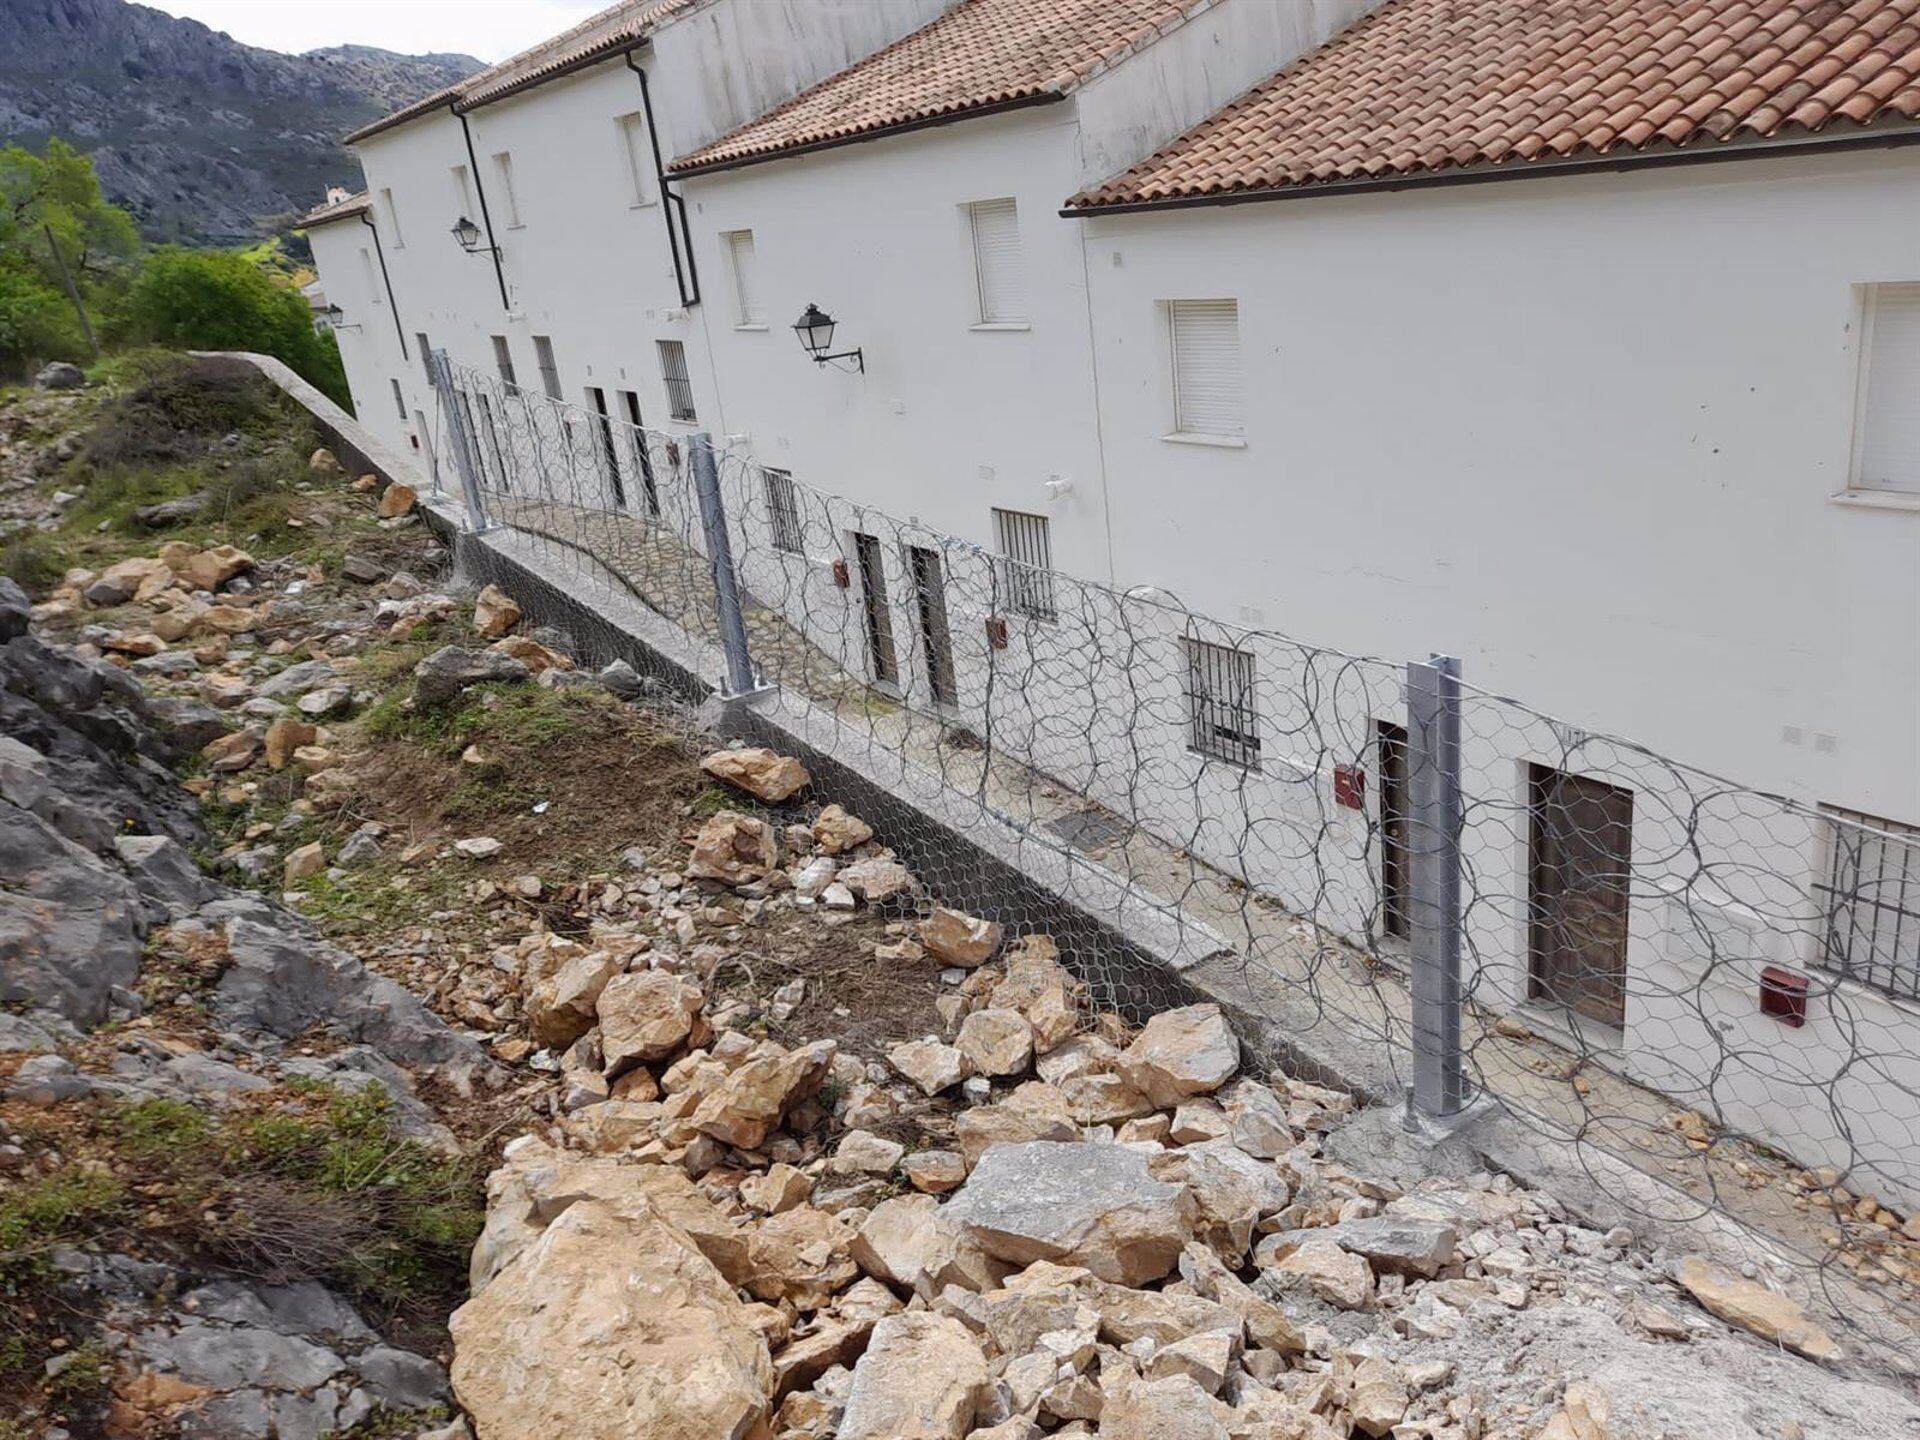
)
(384, 1424)
(159, 1126)
(711, 801)
(366, 899)
(33, 559)
(416, 1212)
(83, 1376)
(59, 1209)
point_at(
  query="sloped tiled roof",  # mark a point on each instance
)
(981, 55)
(1423, 87)
(336, 210)
(601, 34)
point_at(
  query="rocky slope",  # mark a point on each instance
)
(201, 137)
(345, 863)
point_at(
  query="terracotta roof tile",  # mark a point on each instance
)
(1424, 86)
(981, 54)
(604, 33)
(336, 210)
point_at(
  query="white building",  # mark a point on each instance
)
(1635, 433)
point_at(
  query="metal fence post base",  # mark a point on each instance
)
(741, 678)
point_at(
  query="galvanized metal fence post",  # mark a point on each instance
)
(741, 679)
(465, 449)
(1433, 784)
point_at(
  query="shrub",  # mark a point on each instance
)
(216, 300)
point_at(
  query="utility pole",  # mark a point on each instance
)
(73, 291)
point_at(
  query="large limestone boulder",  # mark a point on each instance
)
(760, 772)
(1034, 1111)
(562, 1007)
(494, 613)
(922, 1378)
(954, 937)
(609, 1327)
(753, 1099)
(449, 670)
(1082, 1204)
(645, 1015)
(930, 1063)
(801, 1257)
(835, 831)
(734, 849)
(996, 1042)
(911, 1242)
(1753, 1307)
(1232, 1192)
(537, 1184)
(1181, 1053)
(210, 569)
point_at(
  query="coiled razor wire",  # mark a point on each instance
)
(1623, 913)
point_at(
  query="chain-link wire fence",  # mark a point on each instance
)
(1651, 966)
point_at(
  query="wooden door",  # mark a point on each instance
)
(873, 598)
(930, 597)
(1582, 866)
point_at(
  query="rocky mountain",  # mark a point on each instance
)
(204, 139)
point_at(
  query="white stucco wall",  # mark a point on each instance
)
(1583, 433)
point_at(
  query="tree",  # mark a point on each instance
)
(217, 300)
(47, 201)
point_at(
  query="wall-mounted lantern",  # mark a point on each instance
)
(335, 319)
(815, 329)
(468, 234)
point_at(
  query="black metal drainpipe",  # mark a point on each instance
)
(480, 189)
(386, 280)
(687, 277)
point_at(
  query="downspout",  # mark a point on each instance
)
(686, 276)
(480, 189)
(386, 280)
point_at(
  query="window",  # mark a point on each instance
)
(630, 131)
(1887, 446)
(746, 293)
(393, 218)
(783, 512)
(1580, 876)
(1026, 562)
(503, 360)
(370, 275)
(549, 368)
(426, 355)
(1223, 717)
(463, 201)
(673, 372)
(999, 273)
(1205, 337)
(399, 399)
(1870, 893)
(503, 171)
(1390, 742)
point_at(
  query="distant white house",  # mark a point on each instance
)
(1596, 365)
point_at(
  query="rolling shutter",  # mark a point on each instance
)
(1206, 366)
(1889, 444)
(998, 263)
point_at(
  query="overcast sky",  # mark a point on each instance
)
(490, 29)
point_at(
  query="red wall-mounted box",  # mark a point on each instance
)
(1350, 787)
(1783, 995)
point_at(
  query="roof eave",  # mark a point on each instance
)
(1865, 138)
(679, 170)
